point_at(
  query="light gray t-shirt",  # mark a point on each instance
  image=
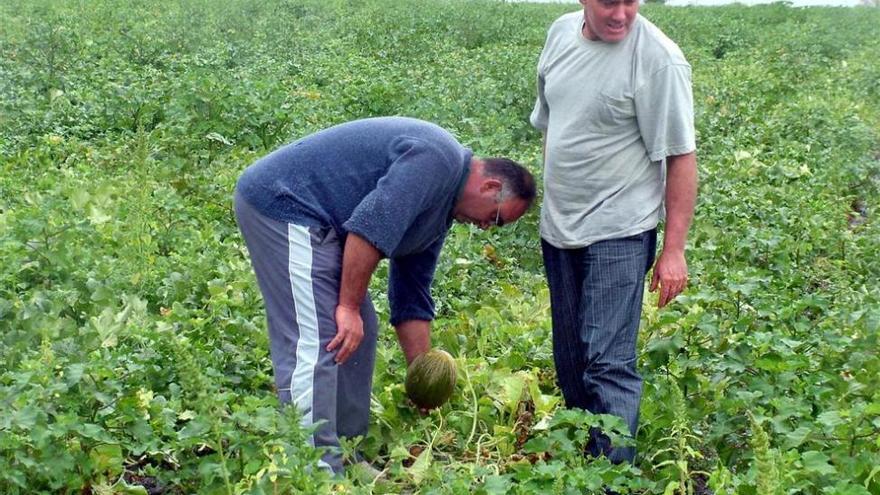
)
(612, 112)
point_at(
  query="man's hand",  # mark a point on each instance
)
(359, 260)
(670, 270)
(349, 333)
(670, 275)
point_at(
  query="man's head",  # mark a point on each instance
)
(498, 191)
(608, 20)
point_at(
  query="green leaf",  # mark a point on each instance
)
(131, 490)
(512, 388)
(771, 362)
(107, 458)
(419, 469)
(194, 429)
(847, 488)
(497, 484)
(73, 374)
(536, 445)
(671, 487)
(795, 438)
(94, 432)
(871, 476)
(830, 419)
(817, 462)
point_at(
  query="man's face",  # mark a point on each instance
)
(609, 20)
(491, 213)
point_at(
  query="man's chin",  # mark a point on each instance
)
(615, 36)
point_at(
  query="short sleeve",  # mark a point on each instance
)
(541, 112)
(409, 284)
(665, 112)
(415, 181)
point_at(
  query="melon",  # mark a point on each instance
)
(430, 378)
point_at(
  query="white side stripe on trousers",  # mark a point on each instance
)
(299, 269)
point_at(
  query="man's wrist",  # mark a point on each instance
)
(676, 250)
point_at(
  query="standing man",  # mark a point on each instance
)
(317, 216)
(614, 104)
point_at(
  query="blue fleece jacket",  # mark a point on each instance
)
(392, 180)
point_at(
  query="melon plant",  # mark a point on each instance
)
(430, 378)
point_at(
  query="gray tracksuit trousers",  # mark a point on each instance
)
(298, 270)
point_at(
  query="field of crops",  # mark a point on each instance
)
(131, 328)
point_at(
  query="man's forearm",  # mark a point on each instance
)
(359, 260)
(414, 337)
(681, 198)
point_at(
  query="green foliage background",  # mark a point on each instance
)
(132, 329)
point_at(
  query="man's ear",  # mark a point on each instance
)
(490, 185)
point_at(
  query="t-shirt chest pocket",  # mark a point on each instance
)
(613, 111)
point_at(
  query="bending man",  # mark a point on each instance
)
(320, 213)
